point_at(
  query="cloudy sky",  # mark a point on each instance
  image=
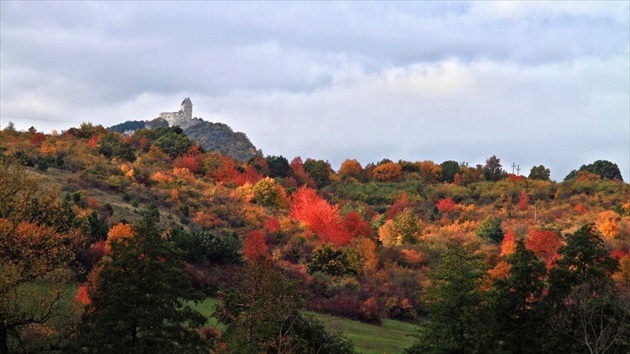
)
(531, 82)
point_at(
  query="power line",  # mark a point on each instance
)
(38, 119)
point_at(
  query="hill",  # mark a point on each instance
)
(211, 136)
(362, 243)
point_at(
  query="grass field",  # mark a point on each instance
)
(391, 337)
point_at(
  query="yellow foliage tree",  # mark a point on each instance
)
(118, 233)
(608, 224)
(403, 228)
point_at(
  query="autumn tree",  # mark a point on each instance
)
(255, 246)
(268, 193)
(141, 300)
(608, 224)
(350, 169)
(455, 306)
(320, 216)
(544, 243)
(446, 205)
(299, 173)
(388, 172)
(508, 245)
(37, 234)
(405, 227)
(430, 172)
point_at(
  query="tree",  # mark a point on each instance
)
(493, 170)
(320, 171)
(588, 308)
(261, 316)
(268, 193)
(539, 172)
(331, 261)
(455, 306)
(602, 168)
(322, 218)
(255, 246)
(446, 205)
(403, 228)
(490, 229)
(37, 235)
(583, 259)
(350, 169)
(140, 302)
(388, 172)
(544, 243)
(449, 170)
(278, 166)
(517, 306)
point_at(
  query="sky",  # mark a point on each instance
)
(533, 82)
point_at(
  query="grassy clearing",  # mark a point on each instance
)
(391, 337)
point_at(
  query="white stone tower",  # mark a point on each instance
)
(186, 109)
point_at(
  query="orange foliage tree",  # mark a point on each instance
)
(388, 172)
(508, 245)
(350, 168)
(608, 224)
(118, 233)
(430, 172)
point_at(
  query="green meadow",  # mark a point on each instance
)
(392, 337)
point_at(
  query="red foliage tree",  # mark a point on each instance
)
(272, 225)
(255, 246)
(38, 138)
(301, 176)
(580, 208)
(523, 200)
(515, 178)
(356, 226)
(322, 218)
(399, 205)
(190, 161)
(446, 205)
(544, 243)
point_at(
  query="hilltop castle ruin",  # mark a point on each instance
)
(182, 117)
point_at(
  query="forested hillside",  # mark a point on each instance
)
(211, 136)
(107, 239)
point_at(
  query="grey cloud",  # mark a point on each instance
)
(533, 81)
